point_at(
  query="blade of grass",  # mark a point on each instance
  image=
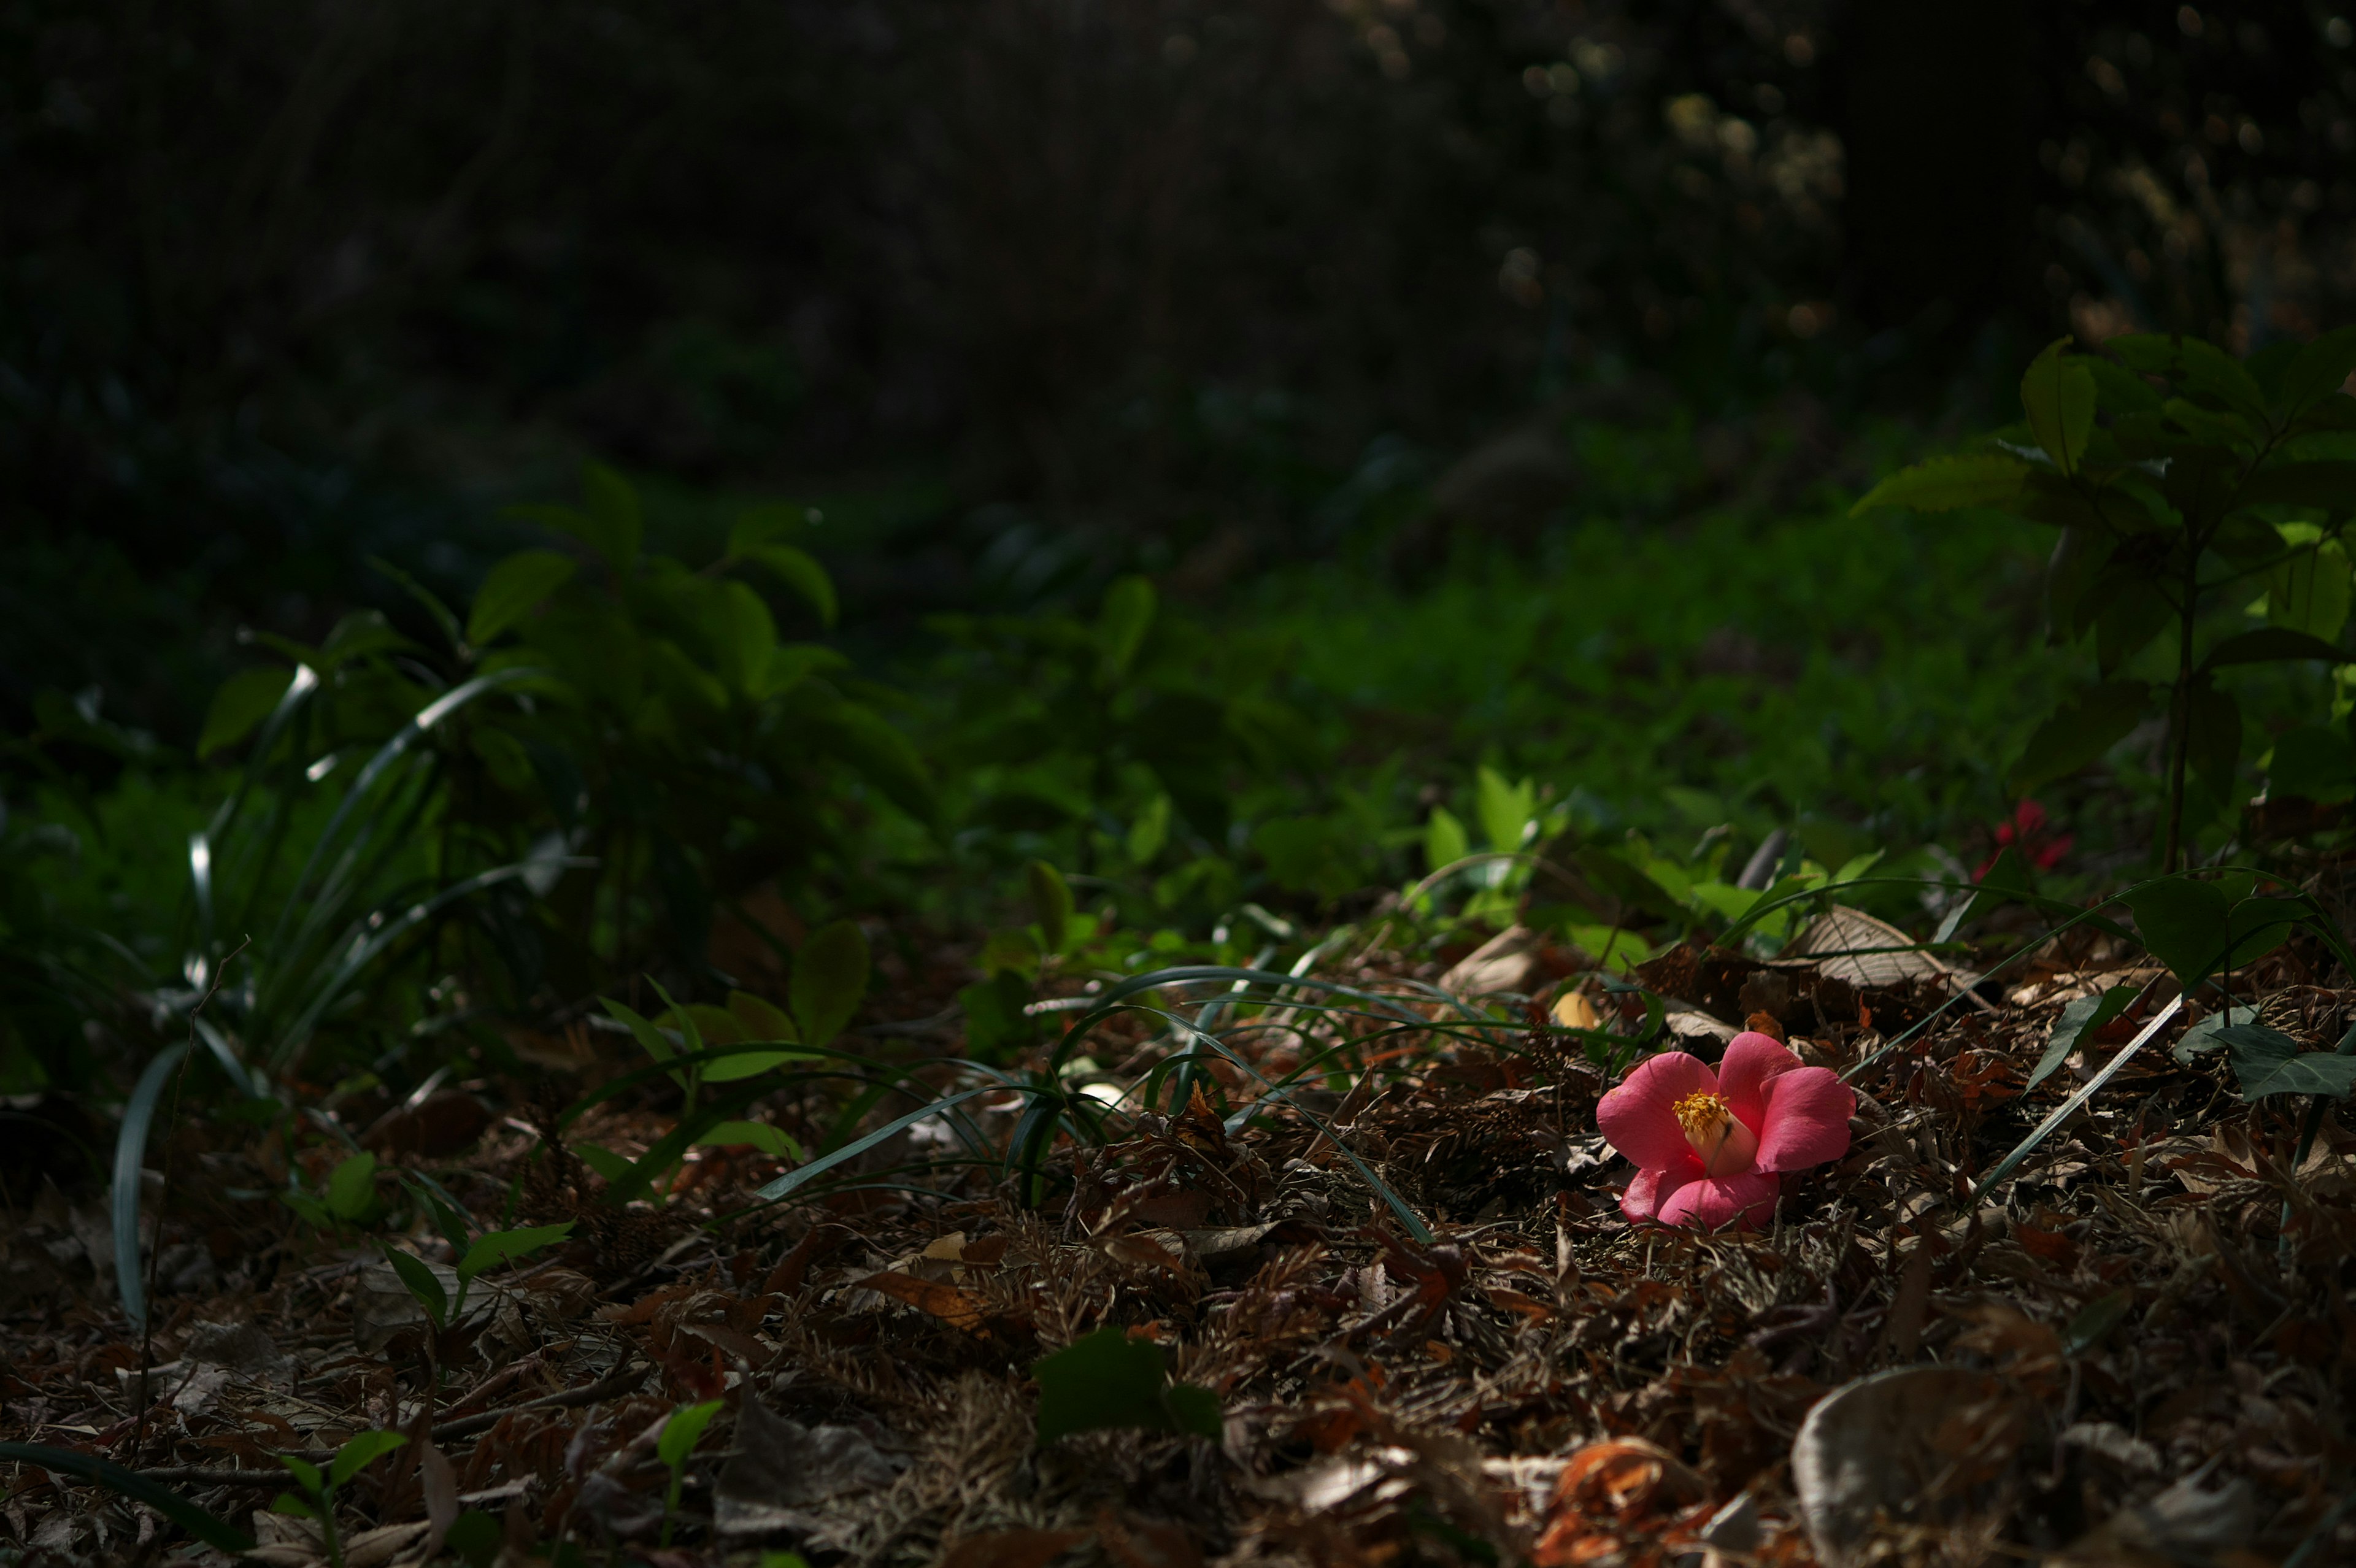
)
(206, 1527)
(130, 1154)
(824, 1163)
(2069, 1107)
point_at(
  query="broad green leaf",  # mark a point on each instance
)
(293, 1507)
(2077, 562)
(760, 1020)
(423, 1283)
(683, 1431)
(2077, 1024)
(506, 1246)
(2080, 732)
(2121, 391)
(2259, 925)
(2058, 392)
(743, 1064)
(2184, 924)
(2309, 592)
(351, 1186)
(2314, 762)
(306, 1475)
(514, 589)
(2268, 1062)
(650, 1039)
(2268, 645)
(1949, 484)
(243, 702)
(1444, 839)
(2203, 1037)
(746, 636)
(1505, 810)
(830, 980)
(1051, 904)
(799, 571)
(364, 1449)
(769, 1140)
(1121, 624)
(1109, 1379)
(790, 663)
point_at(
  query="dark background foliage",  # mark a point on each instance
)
(289, 284)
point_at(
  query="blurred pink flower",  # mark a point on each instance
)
(2026, 832)
(1709, 1146)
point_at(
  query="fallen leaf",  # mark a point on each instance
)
(1932, 1446)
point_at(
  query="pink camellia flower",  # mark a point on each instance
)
(1709, 1146)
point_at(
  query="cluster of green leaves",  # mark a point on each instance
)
(2180, 479)
(315, 1497)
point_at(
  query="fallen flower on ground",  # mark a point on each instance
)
(1710, 1147)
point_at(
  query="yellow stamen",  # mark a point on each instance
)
(1724, 1144)
(1703, 1116)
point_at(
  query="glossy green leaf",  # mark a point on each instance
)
(1505, 810)
(2058, 392)
(362, 1450)
(243, 702)
(423, 1283)
(2184, 924)
(513, 590)
(1949, 484)
(2266, 1062)
(1109, 1379)
(2076, 1025)
(830, 980)
(2080, 732)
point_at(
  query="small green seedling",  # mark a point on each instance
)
(317, 1500)
(349, 1198)
(680, 1435)
(488, 1252)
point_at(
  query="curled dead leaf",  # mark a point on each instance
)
(1920, 1445)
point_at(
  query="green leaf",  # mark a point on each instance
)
(1109, 1379)
(306, 1475)
(2201, 1038)
(799, 571)
(1121, 624)
(1444, 839)
(2080, 732)
(1949, 484)
(2319, 370)
(741, 1064)
(830, 980)
(2309, 592)
(2077, 1024)
(2130, 617)
(2329, 485)
(204, 1526)
(351, 1187)
(683, 1431)
(514, 589)
(2058, 392)
(506, 1246)
(1150, 831)
(761, 1020)
(2268, 1063)
(2259, 925)
(602, 1160)
(2266, 645)
(769, 1140)
(364, 1449)
(2184, 924)
(650, 1039)
(2314, 762)
(1505, 810)
(476, 1538)
(615, 525)
(243, 702)
(423, 1283)
(2121, 391)
(293, 1507)
(779, 1186)
(2095, 1320)
(1051, 904)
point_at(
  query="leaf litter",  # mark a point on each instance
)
(1204, 1338)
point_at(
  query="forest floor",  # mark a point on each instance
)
(2141, 1349)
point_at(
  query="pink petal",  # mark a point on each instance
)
(1645, 1194)
(1715, 1202)
(1806, 1120)
(1752, 1059)
(1635, 1118)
